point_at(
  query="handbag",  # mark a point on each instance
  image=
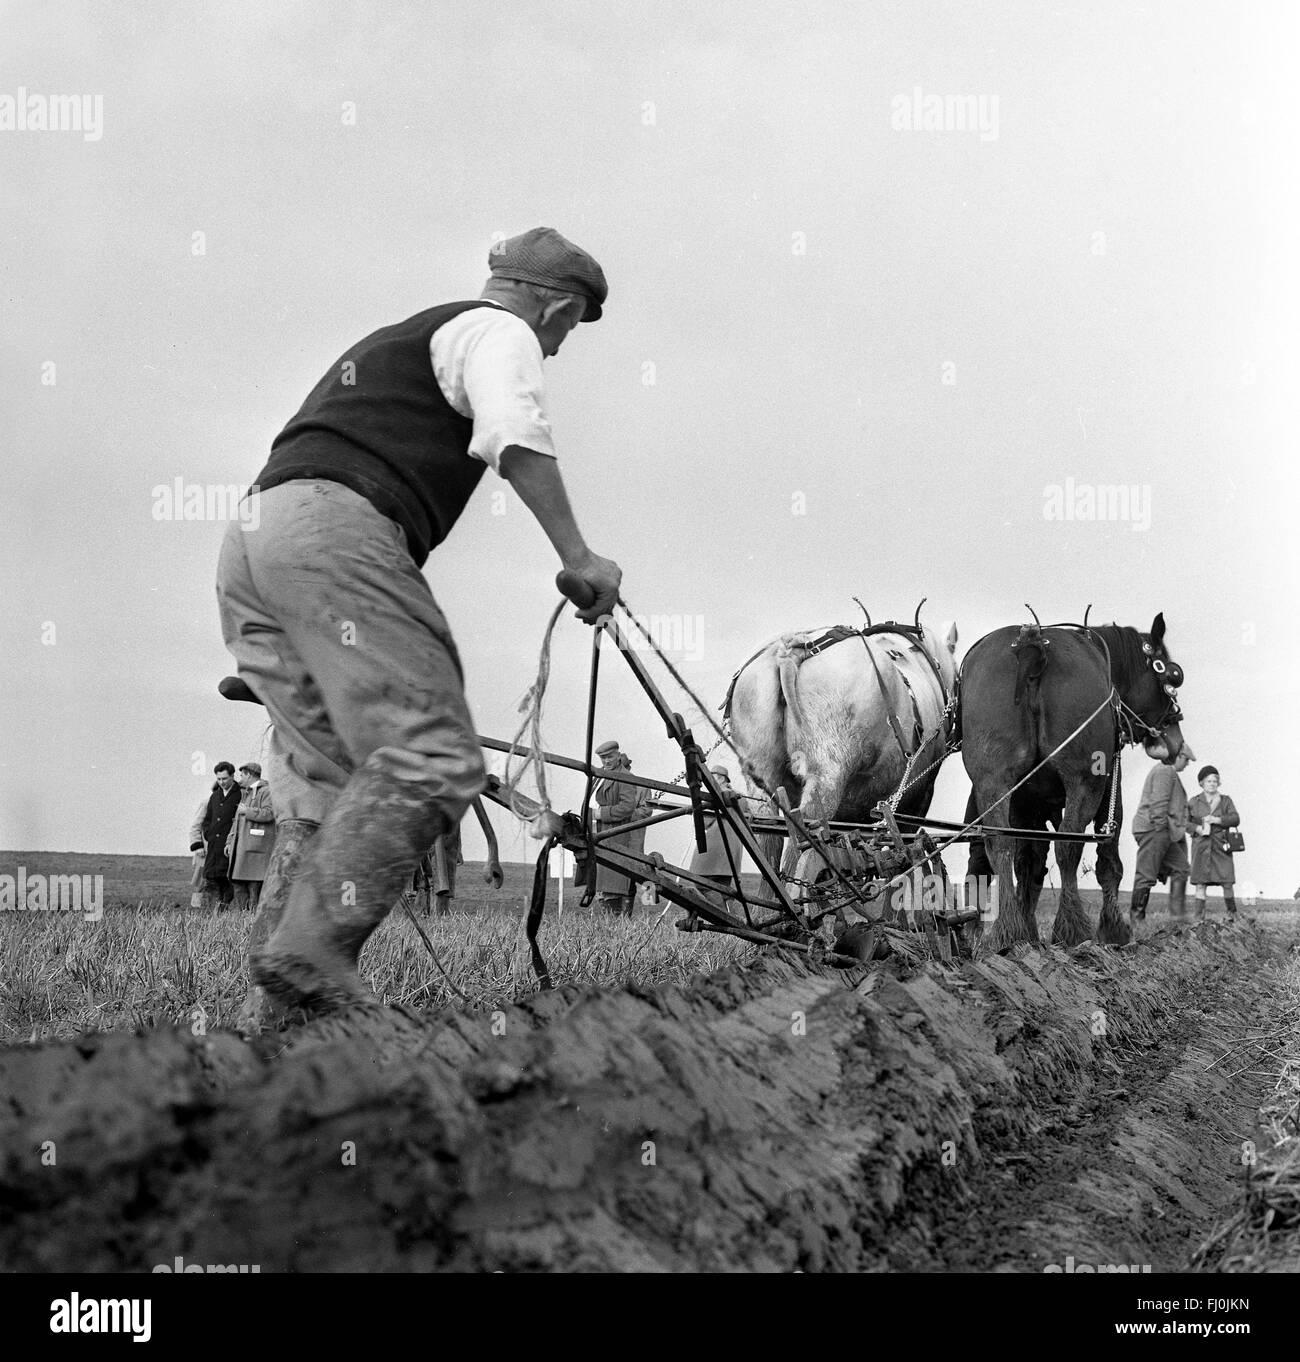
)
(1232, 840)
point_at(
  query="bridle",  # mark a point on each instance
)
(1170, 676)
(1130, 725)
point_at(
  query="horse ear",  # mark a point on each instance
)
(950, 637)
(1158, 630)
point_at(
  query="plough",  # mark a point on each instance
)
(851, 879)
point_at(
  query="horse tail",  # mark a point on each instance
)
(787, 665)
(1030, 649)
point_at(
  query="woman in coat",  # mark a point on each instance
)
(712, 863)
(252, 837)
(1208, 814)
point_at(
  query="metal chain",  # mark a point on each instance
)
(1108, 828)
(681, 775)
(949, 748)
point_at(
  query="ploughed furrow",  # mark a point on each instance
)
(767, 1118)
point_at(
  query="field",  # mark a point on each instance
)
(155, 961)
(1137, 1107)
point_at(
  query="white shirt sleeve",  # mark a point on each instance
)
(488, 364)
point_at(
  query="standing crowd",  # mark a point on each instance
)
(1161, 825)
(231, 839)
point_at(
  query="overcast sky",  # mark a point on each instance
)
(842, 355)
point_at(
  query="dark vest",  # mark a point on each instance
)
(379, 424)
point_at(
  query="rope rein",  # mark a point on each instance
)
(531, 708)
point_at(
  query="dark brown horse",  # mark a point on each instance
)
(1044, 713)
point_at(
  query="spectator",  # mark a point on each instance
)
(1210, 813)
(1160, 826)
(196, 852)
(252, 837)
(217, 821)
(618, 803)
(712, 863)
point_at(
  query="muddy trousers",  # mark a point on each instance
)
(336, 630)
(1160, 856)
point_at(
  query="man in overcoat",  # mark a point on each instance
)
(252, 837)
(217, 822)
(618, 803)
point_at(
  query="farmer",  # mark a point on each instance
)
(333, 626)
(1160, 826)
(1211, 812)
(252, 837)
(618, 803)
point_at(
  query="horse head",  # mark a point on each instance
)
(1147, 682)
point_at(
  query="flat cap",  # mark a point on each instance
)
(542, 256)
(606, 748)
(252, 768)
(1206, 771)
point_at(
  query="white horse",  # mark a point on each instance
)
(840, 718)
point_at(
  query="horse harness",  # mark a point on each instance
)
(1127, 720)
(838, 633)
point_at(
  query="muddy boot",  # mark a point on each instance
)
(1178, 896)
(357, 867)
(292, 838)
(1200, 908)
(1138, 903)
(1230, 902)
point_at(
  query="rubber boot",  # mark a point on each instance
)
(1230, 902)
(292, 838)
(1138, 903)
(361, 861)
(1178, 896)
(1200, 908)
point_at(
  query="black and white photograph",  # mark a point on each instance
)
(651, 638)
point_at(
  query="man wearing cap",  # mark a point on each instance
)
(618, 803)
(252, 836)
(1160, 826)
(334, 627)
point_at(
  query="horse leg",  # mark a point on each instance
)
(823, 788)
(979, 876)
(1011, 925)
(1031, 862)
(1072, 925)
(1112, 930)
